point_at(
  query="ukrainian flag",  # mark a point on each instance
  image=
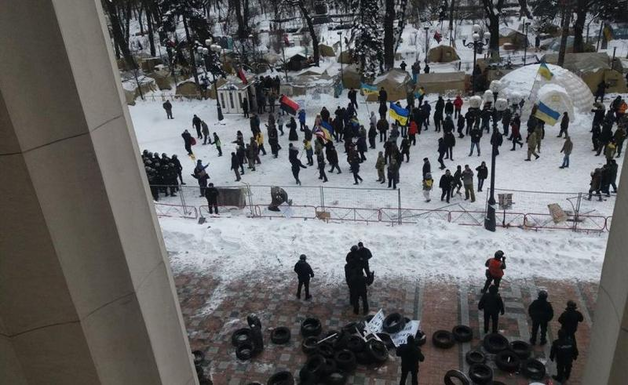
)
(399, 114)
(368, 89)
(328, 127)
(545, 71)
(546, 114)
(420, 92)
(322, 133)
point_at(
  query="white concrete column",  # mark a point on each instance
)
(608, 350)
(86, 292)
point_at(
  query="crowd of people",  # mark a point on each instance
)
(341, 130)
(564, 349)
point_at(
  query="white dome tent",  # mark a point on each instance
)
(575, 89)
(556, 98)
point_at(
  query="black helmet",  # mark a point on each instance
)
(499, 254)
(164, 155)
(174, 156)
(542, 294)
(302, 257)
(354, 248)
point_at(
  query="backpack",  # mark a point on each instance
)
(495, 268)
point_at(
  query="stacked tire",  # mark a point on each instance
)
(332, 356)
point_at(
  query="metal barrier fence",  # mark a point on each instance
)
(336, 204)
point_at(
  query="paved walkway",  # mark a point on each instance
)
(213, 311)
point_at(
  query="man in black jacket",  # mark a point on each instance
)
(364, 255)
(493, 306)
(196, 123)
(427, 167)
(570, 319)
(304, 273)
(410, 355)
(211, 194)
(445, 185)
(564, 351)
(541, 312)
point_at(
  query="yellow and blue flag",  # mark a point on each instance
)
(546, 114)
(328, 127)
(545, 71)
(322, 132)
(420, 92)
(399, 114)
(368, 89)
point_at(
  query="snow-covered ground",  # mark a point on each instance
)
(157, 134)
(230, 249)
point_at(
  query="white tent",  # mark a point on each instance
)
(522, 80)
(556, 98)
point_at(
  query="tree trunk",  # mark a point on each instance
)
(192, 58)
(139, 18)
(118, 36)
(578, 28)
(149, 25)
(564, 36)
(494, 41)
(310, 27)
(389, 38)
(128, 21)
(240, 19)
(524, 8)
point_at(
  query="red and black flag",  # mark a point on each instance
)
(242, 76)
(288, 105)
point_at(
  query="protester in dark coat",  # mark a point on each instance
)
(541, 312)
(196, 123)
(201, 175)
(168, 107)
(570, 319)
(564, 351)
(427, 167)
(364, 255)
(493, 306)
(482, 172)
(445, 185)
(187, 141)
(211, 194)
(304, 273)
(442, 150)
(411, 355)
(235, 165)
(292, 134)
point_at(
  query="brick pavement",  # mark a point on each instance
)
(212, 311)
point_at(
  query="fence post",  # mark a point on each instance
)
(182, 197)
(323, 197)
(399, 206)
(577, 213)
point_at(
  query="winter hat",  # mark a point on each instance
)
(302, 257)
(542, 294)
(354, 248)
(571, 304)
(499, 254)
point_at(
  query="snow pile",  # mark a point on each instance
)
(556, 98)
(230, 249)
(522, 80)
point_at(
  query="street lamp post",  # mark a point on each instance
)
(209, 53)
(526, 27)
(341, 66)
(426, 28)
(490, 221)
(476, 44)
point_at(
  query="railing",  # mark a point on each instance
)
(393, 216)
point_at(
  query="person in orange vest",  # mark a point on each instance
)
(495, 271)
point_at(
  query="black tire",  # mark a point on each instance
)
(355, 344)
(316, 365)
(330, 366)
(199, 357)
(306, 377)
(311, 327)
(394, 323)
(522, 349)
(281, 378)
(386, 340)
(244, 351)
(341, 342)
(241, 335)
(462, 333)
(253, 321)
(481, 374)
(377, 350)
(337, 377)
(363, 358)
(351, 327)
(443, 339)
(200, 373)
(533, 369)
(420, 338)
(280, 335)
(495, 343)
(309, 345)
(457, 374)
(345, 360)
(326, 350)
(475, 357)
(508, 361)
